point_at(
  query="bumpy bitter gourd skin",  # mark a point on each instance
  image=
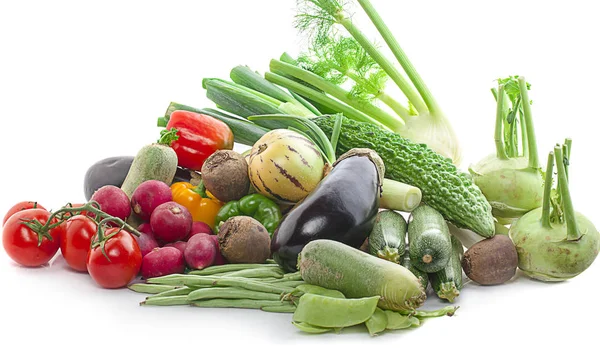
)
(444, 187)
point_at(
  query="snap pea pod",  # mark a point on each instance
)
(235, 293)
(317, 290)
(311, 328)
(334, 312)
(150, 288)
(377, 322)
(397, 321)
(165, 301)
(232, 267)
(236, 303)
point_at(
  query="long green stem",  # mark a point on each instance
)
(321, 98)
(532, 143)
(400, 55)
(390, 121)
(573, 232)
(408, 90)
(499, 135)
(567, 153)
(524, 139)
(387, 99)
(547, 191)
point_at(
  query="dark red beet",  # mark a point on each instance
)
(171, 222)
(113, 201)
(219, 258)
(199, 227)
(200, 251)
(146, 242)
(149, 195)
(179, 245)
(162, 261)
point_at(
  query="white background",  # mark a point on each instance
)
(81, 81)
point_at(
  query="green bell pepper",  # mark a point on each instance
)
(256, 206)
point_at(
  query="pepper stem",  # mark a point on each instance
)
(498, 135)
(547, 191)
(531, 142)
(573, 232)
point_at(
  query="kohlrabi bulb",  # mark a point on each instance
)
(510, 185)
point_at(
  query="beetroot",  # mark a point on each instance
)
(146, 242)
(162, 261)
(199, 227)
(179, 245)
(171, 222)
(149, 195)
(113, 201)
(200, 251)
(219, 258)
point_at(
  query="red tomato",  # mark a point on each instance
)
(76, 240)
(124, 264)
(21, 243)
(21, 206)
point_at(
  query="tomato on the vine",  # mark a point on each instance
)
(123, 263)
(21, 242)
(19, 207)
(76, 240)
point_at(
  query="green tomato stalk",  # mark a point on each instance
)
(554, 242)
(511, 178)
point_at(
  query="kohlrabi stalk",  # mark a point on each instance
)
(560, 248)
(510, 179)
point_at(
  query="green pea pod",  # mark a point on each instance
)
(256, 206)
(332, 312)
(317, 290)
(311, 328)
(397, 321)
(377, 322)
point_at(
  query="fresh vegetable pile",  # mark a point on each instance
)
(345, 210)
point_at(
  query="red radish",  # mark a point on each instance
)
(171, 222)
(113, 201)
(146, 229)
(219, 258)
(179, 245)
(199, 227)
(200, 251)
(149, 195)
(162, 261)
(146, 242)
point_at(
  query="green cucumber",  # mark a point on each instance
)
(429, 243)
(448, 282)
(152, 162)
(388, 237)
(417, 272)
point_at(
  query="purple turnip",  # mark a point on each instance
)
(162, 261)
(200, 251)
(113, 201)
(149, 195)
(171, 222)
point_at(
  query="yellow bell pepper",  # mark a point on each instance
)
(201, 204)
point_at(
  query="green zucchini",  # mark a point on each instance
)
(422, 276)
(443, 186)
(388, 237)
(429, 243)
(152, 162)
(448, 282)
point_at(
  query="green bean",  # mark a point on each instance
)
(292, 276)
(317, 290)
(284, 308)
(397, 321)
(195, 280)
(263, 272)
(289, 283)
(271, 261)
(184, 290)
(377, 322)
(334, 312)
(231, 267)
(237, 293)
(150, 288)
(237, 303)
(448, 310)
(165, 301)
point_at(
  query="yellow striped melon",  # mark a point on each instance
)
(285, 166)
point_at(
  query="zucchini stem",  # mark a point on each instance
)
(531, 141)
(547, 191)
(400, 55)
(498, 135)
(573, 232)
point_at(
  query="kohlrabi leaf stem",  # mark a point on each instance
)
(547, 191)
(321, 98)
(567, 154)
(532, 144)
(573, 232)
(390, 121)
(498, 134)
(400, 55)
(335, 10)
(524, 139)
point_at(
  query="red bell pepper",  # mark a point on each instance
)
(195, 137)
